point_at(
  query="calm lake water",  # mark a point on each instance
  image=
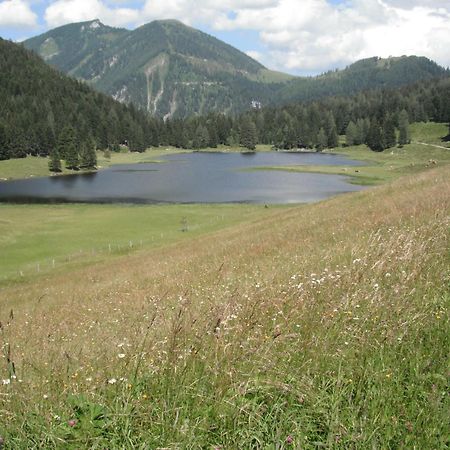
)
(191, 178)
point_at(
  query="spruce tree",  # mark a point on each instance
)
(331, 132)
(66, 148)
(248, 137)
(54, 165)
(4, 153)
(88, 157)
(322, 140)
(375, 137)
(17, 144)
(403, 127)
(389, 135)
(351, 134)
(201, 138)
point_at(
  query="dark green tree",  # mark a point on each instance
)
(88, 156)
(351, 134)
(322, 140)
(54, 165)
(331, 131)
(375, 137)
(67, 149)
(247, 134)
(389, 133)
(201, 138)
(403, 128)
(4, 153)
(17, 143)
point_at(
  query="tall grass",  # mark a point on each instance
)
(321, 326)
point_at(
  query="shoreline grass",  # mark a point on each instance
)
(386, 166)
(37, 166)
(381, 167)
(322, 325)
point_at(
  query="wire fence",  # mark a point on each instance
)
(91, 254)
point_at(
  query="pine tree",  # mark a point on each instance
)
(248, 137)
(403, 127)
(88, 156)
(331, 132)
(389, 135)
(445, 138)
(375, 137)
(4, 153)
(17, 143)
(201, 138)
(66, 147)
(322, 140)
(54, 165)
(351, 134)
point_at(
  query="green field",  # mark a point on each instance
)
(39, 238)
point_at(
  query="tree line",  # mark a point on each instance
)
(43, 112)
(378, 118)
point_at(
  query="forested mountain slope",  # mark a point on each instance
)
(164, 66)
(37, 102)
(175, 71)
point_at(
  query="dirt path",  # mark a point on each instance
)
(431, 145)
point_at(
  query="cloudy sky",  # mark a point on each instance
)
(296, 36)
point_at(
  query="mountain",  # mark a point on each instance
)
(370, 73)
(38, 102)
(173, 70)
(165, 67)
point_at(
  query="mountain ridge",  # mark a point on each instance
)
(173, 70)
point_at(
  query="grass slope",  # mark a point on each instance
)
(35, 239)
(323, 325)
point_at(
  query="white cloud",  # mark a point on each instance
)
(255, 55)
(16, 13)
(67, 11)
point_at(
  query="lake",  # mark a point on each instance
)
(191, 178)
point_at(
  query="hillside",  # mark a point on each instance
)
(164, 66)
(172, 70)
(370, 73)
(37, 102)
(306, 327)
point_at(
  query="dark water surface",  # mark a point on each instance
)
(191, 178)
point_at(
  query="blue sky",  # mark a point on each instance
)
(296, 36)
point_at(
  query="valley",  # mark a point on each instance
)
(198, 252)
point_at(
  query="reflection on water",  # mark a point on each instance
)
(191, 178)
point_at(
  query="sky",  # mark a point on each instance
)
(302, 37)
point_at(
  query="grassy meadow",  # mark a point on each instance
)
(317, 326)
(36, 239)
